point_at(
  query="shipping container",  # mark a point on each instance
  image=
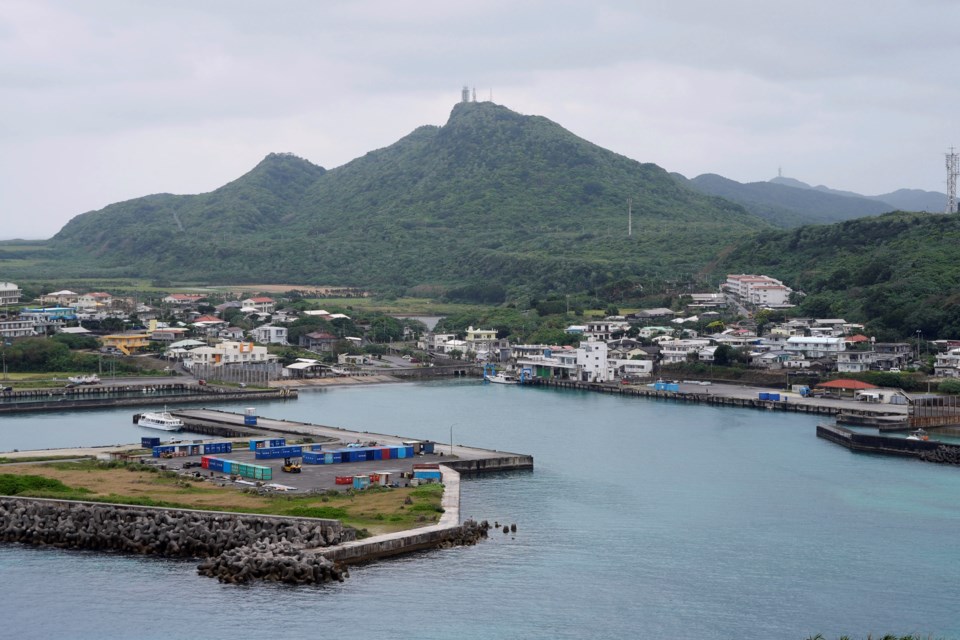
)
(205, 462)
(313, 457)
(250, 416)
(774, 396)
(261, 443)
(343, 480)
(427, 447)
(149, 443)
(385, 454)
(361, 482)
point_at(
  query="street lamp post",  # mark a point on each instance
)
(919, 334)
(451, 436)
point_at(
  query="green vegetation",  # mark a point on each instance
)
(34, 486)
(899, 273)
(492, 202)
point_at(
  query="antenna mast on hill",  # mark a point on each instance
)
(629, 217)
(953, 168)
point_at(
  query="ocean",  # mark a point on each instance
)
(642, 519)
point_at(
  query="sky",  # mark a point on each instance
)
(107, 100)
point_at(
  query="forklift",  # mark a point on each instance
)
(291, 466)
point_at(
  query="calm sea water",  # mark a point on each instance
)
(643, 519)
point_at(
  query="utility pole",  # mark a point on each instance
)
(629, 217)
(953, 169)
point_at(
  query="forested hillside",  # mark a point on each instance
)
(491, 197)
(899, 272)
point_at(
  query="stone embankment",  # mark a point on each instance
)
(943, 454)
(244, 547)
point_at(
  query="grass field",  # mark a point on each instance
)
(378, 510)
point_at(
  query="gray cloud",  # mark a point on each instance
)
(107, 100)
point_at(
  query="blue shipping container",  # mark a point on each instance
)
(149, 443)
(427, 447)
(764, 395)
(774, 396)
(250, 420)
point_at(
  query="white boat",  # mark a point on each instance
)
(160, 420)
(919, 434)
(501, 378)
(91, 379)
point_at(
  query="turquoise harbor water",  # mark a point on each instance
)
(643, 519)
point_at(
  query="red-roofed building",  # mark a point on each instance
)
(318, 341)
(183, 298)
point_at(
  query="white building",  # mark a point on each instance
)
(9, 294)
(677, 350)
(855, 361)
(815, 347)
(631, 368)
(269, 334)
(17, 328)
(261, 303)
(481, 341)
(605, 329)
(948, 364)
(592, 362)
(759, 290)
(228, 353)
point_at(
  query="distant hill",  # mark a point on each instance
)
(784, 203)
(491, 197)
(900, 271)
(899, 200)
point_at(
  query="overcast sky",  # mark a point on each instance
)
(107, 100)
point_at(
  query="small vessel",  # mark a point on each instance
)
(919, 434)
(160, 420)
(91, 379)
(501, 378)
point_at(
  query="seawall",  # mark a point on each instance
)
(927, 450)
(242, 547)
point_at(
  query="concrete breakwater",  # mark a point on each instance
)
(927, 450)
(243, 547)
(140, 395)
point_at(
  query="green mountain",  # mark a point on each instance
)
(899, 200)
(789, 203)
(491, 197)
(898, 272)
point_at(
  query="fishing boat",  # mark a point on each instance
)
(501, 378)
(919, 434)
(160, 420)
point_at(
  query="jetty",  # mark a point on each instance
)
(132, 395)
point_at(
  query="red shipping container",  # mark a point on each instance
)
(205, 462)
(386, 454)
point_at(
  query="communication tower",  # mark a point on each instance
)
(465, 94)
(953, 168)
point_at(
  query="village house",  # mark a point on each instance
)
(481, 341)
(812, 347)
(270, 334)
(183, 299)
(228, 353)
(948, 364)
(677, 350)
(318, 342)
(63, 298)
(605, 330)
(168, 334)
(94, 300)
(231, 333)
(126, 343)
(261, 304)
(893, 355)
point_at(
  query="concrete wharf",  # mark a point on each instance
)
(742, 396)
(460, 458)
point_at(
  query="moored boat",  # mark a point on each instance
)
(160, 420)
(501, 378)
